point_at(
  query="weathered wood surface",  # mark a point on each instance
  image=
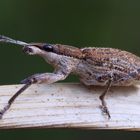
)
(70, 105)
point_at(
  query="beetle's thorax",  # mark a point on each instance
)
(52, 58)
(66, 50)
(60, 61)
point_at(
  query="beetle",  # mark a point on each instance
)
(94, 66)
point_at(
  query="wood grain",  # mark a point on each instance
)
(70, 105)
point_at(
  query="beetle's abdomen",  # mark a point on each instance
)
(108, 59)
(101, 64)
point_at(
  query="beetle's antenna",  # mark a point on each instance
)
(10, 40)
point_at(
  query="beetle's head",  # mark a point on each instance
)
(38, 48)
(47, 51)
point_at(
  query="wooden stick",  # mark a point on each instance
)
(70, 105)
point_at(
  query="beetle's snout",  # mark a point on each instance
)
(32, 50)
(28, 50)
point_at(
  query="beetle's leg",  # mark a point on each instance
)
(102, 98)
(47, 78)
(37, 78)
(11, 100)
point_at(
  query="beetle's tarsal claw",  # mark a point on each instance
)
(4, 110)
(105, 111)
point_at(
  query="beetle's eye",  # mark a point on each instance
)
(48, 47)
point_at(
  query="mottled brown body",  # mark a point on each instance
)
(105, 63)
(94, 66)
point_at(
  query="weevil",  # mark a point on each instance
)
(94, 65)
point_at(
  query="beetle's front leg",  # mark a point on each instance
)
(44, 78)
(37, 78)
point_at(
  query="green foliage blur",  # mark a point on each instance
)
(81, 23)
(103, 23)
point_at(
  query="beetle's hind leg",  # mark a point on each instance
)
(102, 98)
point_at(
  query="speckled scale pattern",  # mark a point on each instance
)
(68, 51)
(100, 64)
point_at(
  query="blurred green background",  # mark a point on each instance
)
(103, 23)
